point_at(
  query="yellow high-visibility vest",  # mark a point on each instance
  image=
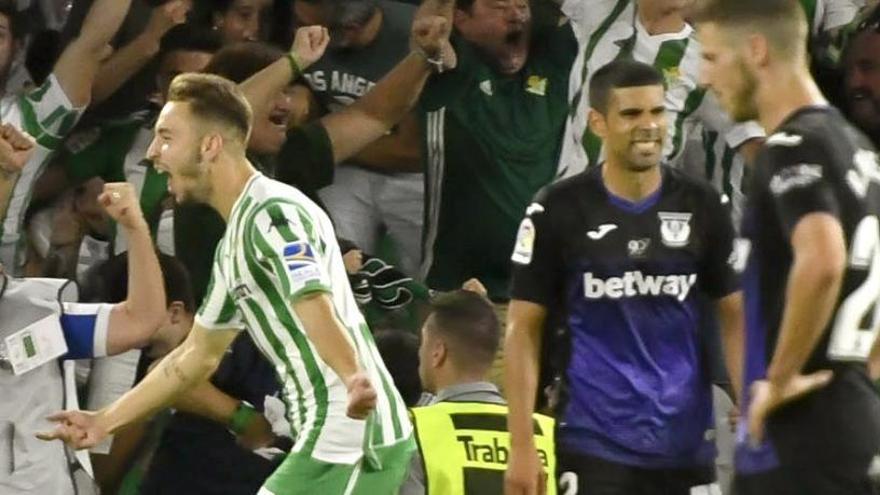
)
(465, 447)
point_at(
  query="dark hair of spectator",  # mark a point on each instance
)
(190, 38)
(17, 25)
(621, 73)
(400, 353)
(464, 4)
(213, 99)
(239, 61)
(108, 281)
(782, 22)
(466, 321)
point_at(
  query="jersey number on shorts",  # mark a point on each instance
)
(853, 334)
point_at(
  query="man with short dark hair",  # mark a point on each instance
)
(459, 342)
(812, 240)
(618, 255)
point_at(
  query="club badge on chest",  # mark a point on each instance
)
(675, 228)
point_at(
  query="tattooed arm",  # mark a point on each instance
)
(189, 364)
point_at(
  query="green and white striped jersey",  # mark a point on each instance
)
(278, 247)
(827, 15)
(611, 29)
(47, 114)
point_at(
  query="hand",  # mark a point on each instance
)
(16, 148)
(361, 396)
(525, 474)
(166, 16)
(122, 204)
(430, 36)
(474, 285)
(766, 397)
(309, 45)
(353, 260)
(257, 434)
(78, 429)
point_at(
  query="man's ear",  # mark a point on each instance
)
(439, 354)
(597, 123)
(175, 312)
(757, 50)
(212, 145)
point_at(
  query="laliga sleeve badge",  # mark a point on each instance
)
(525, 243)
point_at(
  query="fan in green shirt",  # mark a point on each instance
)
(492, 134)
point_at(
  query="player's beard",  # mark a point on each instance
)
(636, 162)
(195, 179)
(743, 107)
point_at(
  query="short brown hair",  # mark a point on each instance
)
(782, 22)
(467, 321)
(214, 99)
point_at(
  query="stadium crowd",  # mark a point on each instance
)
(439, 246)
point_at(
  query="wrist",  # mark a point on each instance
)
(243, 416)
(434, 63)
(296, 65)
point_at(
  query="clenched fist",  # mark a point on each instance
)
(122, 204)
(309, 45)
(16, 148)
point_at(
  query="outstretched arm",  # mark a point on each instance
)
(187, 365)
(79, 63)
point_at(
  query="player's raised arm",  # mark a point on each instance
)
(79, 62)
(191, 363)
(134, 321)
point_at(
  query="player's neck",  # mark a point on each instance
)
(630, 185)
(786, 92)
(452, 378)
(659, 21)
(228, 180)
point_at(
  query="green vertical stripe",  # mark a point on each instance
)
(709, 139)
(591, 47)
(809, 7)
(670, 54)
(29, 118)
(278, 348)
(726, 165)
(283, 312)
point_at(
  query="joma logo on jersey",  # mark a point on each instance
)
(635, 283)
(241, 292)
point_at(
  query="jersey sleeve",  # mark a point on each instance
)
(799, 183)
(536, 275)
(85, 329)
(288, 250)
(218, 311)
(717, 275)
(47, 113)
